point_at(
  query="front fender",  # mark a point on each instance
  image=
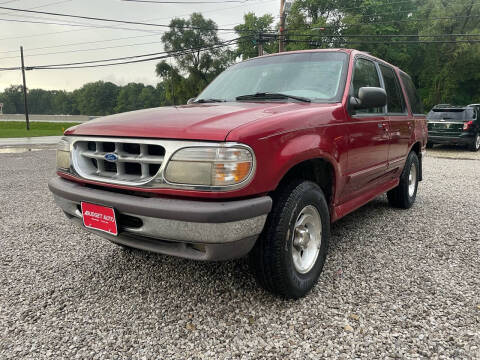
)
(279, 153)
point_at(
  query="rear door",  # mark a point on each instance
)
(368, 135)
(401, 123)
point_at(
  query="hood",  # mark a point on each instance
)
(189, 122)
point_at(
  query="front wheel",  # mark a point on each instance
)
(404, 195)
(475, 145)
(289, 255)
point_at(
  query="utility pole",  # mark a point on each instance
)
(260, 44)
(281, 44)
(25, 90)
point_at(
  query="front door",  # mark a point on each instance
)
(368, 136)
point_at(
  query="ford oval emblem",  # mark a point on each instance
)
(111, 157)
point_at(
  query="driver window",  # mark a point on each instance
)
(365, 75)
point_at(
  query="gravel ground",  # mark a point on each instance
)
(453, 152)
(397, 284)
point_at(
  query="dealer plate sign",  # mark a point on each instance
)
(100, 218)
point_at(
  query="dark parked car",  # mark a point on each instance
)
(457, 125)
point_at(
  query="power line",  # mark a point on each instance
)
(78, 25)
(386, 4)
(83, 43)
(165, 54)
(168, 54)
(392, 22)
(385, 35)
(395, 12)
(83, 50)
(107, 20)
(187, 2)
(39, 6)
(164, 18)
(224, 43)
(388, 42)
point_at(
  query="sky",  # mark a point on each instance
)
(61, 43)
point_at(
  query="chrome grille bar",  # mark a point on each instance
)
(134, 163)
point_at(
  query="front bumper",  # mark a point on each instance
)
(191, 229)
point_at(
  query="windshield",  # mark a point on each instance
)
(451, 114)
(318, 76)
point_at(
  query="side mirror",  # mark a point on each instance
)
(190, 101)
(368, 98)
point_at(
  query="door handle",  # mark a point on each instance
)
(383, 126)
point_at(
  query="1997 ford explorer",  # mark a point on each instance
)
(260, 163)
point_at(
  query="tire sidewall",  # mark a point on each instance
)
(311, 196)
(412, 160)
(475, 142)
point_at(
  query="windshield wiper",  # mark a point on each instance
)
(203, 101)
(269, 95)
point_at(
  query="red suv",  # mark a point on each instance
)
(260, 163)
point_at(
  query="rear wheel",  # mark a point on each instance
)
(475, 145)
(404, 195)
(289, 255)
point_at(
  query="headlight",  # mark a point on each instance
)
(63, 155)
(210, 166)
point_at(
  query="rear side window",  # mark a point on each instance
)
(365, 75)
(395, 101)
(415, 102)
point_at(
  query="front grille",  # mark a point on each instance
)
(128, 161)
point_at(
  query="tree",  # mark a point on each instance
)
(12, 98)
(194, 68)
(252, 26)
(98, 98)
(149, 97)
(129, 98)
(444, 72)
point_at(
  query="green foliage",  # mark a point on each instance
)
(136, 96)
(249, 30)
(96, 99)
(444, 73)
(193, 70)
(12, 99)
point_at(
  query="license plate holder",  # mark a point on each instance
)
(99, 217)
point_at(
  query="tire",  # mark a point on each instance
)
(277, 260)
(429, 145)
(404, 195)
(475, 145)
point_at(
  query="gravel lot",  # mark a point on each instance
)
(397, 284)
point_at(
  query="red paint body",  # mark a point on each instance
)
(367, 153)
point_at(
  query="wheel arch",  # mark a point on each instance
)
(319, 170)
